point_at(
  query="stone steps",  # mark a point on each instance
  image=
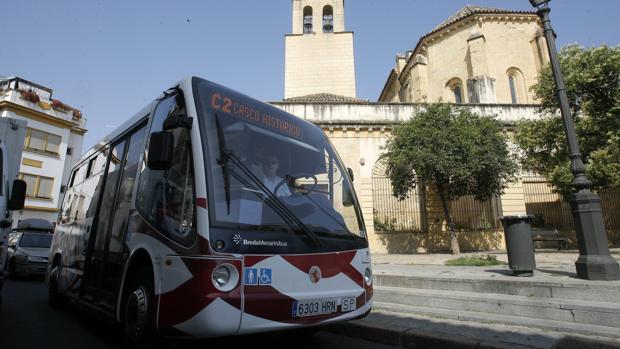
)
(573, 306)
(487, 318)
(578, 290)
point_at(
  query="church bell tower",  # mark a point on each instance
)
(319, 52)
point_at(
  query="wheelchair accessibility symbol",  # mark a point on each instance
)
(264, 276)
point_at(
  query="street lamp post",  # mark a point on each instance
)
(594, 262)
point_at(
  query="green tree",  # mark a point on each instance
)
(456, 153)
(593, 89)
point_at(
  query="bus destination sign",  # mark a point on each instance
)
(230, 106)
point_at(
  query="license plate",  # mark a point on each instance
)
(322, 306)
(348, 304)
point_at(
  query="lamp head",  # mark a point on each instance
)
(540, 4)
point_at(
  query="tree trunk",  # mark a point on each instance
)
(454, 241)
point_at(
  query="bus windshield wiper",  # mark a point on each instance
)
(272, 200)
(340, 234)
(223, 161)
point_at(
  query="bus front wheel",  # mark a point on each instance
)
(138, 311)
(54, 297)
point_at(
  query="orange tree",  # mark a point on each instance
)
(454, 152)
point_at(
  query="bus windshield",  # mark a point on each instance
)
(268, 170)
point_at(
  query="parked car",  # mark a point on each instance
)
(12, 190)
(29, 247)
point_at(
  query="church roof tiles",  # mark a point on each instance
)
(471, 10)
(324, 98)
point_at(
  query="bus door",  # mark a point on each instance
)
(95, 265)
(109, 251)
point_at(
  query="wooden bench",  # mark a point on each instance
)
(550, 235)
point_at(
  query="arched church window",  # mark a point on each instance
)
(513, 89)
(458, 94)
(516, 84)
(307, 20)
(328, 19)
(456, 87)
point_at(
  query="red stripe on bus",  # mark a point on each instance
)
(201, 202)
(331, 264)
(187, 300)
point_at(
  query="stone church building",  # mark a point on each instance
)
(478, 56)
(482, 58)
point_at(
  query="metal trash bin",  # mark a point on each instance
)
(519, 245)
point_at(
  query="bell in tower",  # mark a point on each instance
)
(307, 20)
(328, 19)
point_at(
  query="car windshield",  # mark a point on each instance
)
(267, 168)
(36, 240)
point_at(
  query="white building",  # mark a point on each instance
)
(53, 144)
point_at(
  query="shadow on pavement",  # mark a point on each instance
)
(27, 321)
(422, 332)
(559, 273)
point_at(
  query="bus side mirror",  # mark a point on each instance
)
(160, 153)
(347, 195)
(350, 171)
(18, 195)
(175, 121)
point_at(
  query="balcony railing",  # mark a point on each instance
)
(16, 83)
(38, 97)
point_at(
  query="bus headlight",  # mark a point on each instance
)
(225, 277)
(368, 276)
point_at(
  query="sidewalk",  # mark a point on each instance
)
(544, 258)
(556, 266)
(421, 302)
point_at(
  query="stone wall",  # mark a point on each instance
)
(319, 63)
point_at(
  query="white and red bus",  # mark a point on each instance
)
(212, 214)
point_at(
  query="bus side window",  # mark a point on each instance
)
(67, 211)
(92, 186)
(166, 198)
(115, 159)
(123, 200)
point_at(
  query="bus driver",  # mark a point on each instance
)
(270, 178)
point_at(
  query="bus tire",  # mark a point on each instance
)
(138, 311)
(54, 297)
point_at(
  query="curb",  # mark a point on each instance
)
(582, 343)
(410, 338)
(413, 338)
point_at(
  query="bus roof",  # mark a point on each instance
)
(142, 113)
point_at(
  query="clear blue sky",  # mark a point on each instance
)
(110, 58)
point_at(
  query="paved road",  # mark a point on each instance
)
(26, 321)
